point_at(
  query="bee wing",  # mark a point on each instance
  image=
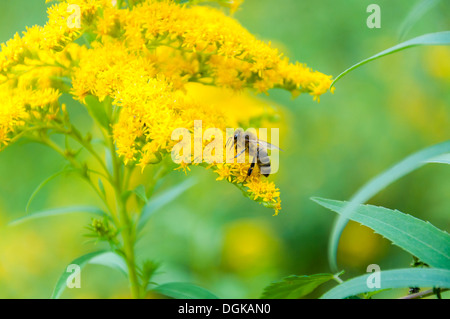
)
(240, 153)
(230, 139)
(265, 144)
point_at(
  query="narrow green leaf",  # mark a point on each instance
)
(66, 80)
(295, 287)
(417, 12)
(162, 199)
(398, 278)
(97, 111)
(81, 262)
(66, 142)
(112, 260)
(101, 187)
(59, 211)
(182, 290)
(125, 195)
(109, 160)
(378, 183)
(443, 159)
(140, 193)
(428, 243)
(147, 271)
(41, 185)
(369, 295)
(438, 38)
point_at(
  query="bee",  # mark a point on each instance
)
(257, 149)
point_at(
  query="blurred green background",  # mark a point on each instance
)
(212, 235)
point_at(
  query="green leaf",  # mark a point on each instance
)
(438, 38)
(59, 211)
(369, 295)
(398, 278)
(97, 111)
(65, 79)
(162, 199)
(103, 257)
(295, 287)
(109, 161)
(81, 262)
(428, 243)
(112, 260)
(147, 271)
(41, 185)
(140, 193)
(101, 187)
(442, 159)
(417, 12)
(378, 183)
(182, 290)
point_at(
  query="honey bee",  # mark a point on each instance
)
(257, 150)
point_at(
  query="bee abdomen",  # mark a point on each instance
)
(264, 164)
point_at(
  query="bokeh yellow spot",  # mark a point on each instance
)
(250, 246)
(437, 61)
(360, 246)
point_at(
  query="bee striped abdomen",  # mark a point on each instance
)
(264, 162)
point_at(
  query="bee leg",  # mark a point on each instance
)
(245, 148)
(250, 170)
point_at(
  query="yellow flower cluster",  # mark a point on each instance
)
(55, 35)
(20, 106)
(142, 61)
(32, 71)
(30, 90)
(258, 189)
(202, 44)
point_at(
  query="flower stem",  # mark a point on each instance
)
(425, 293)
(125, 224)
(128, 247)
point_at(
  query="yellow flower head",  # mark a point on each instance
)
(140, 64)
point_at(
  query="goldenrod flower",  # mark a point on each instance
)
(225, 172)
(144, 60)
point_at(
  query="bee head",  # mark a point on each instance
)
(237, 133)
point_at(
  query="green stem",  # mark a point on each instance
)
(128, 247)
(125, 225)
(48, 142)
(71, 132)
(424, 294)
(127, 177)
(116, 179)
(337, 278)
(77, 136)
